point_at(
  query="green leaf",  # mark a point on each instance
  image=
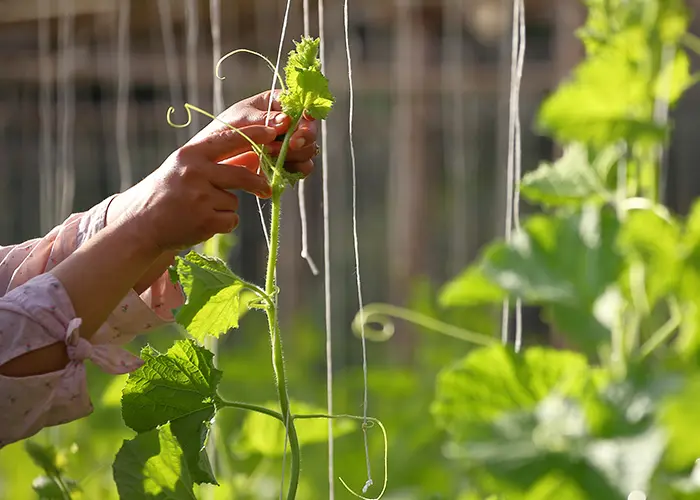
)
(608, 98)
(307, 87)
(490, 382)
(470, 288)
(568, 263)
(180, 382)
(680, 414)
(675, 79)
(213, 296)
(572, 180)
(264, 435)
(154, 465)
(651, 246)
(688, 343)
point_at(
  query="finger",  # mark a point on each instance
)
(249, 161)
(223, 222)
(261, 101)
(299, 155)
(228, 177)
(304, 135)
(302, 167)
(224, 201)
(226, 143)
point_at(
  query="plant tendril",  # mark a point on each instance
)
(367, 423)
(217, 69)
(380, 314)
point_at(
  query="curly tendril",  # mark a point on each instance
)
(190, 107)
(380, 315)
(367, 423)
(217, 69)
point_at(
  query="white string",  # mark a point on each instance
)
(327, 265)
(356, 242)
(215, 21)
(661, 118)
(519, 13)
(192, 41)
(46, 148)
(66, 41)
(122, 112)
(514, 158)
(301, 195)
(171, 58)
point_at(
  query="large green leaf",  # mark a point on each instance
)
(157, 464)
(491, 382)
(571, 180)
(470, 288)
(568, 263)
(608, 98)
(180, 382)
(264, 435)
(520, 423)
(213, 296)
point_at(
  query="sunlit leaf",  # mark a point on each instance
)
(570, 180)
(153, 465)
(179, 382)
(470, 288)
(213, 296)
(493, 381)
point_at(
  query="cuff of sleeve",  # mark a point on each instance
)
(94, 221)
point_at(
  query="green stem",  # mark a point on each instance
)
(663, 333)
(275, 338)
(251, 407)
(63, 487)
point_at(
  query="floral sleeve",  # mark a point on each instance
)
(35, 311)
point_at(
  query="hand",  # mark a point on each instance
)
(187, 200)
(253, 111)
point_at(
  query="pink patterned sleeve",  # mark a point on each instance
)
(35, 311)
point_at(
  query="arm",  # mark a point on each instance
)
(118, 255)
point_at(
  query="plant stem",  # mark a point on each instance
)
(275, 338)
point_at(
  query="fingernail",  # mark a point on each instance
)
(298, 143)
(280, 118)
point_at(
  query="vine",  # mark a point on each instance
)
(612, 269)
(172, 398)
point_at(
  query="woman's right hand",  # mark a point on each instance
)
(187, 199)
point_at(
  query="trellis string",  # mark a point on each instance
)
(326, 261)
(356, 241)
(514, 159)
(122, 111)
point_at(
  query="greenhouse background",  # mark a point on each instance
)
(84, 90)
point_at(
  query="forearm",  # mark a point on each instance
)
(96, 277)
(117, 208)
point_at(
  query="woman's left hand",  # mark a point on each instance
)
(253, 111)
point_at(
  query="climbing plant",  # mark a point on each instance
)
(172, 399)
(613, 271)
